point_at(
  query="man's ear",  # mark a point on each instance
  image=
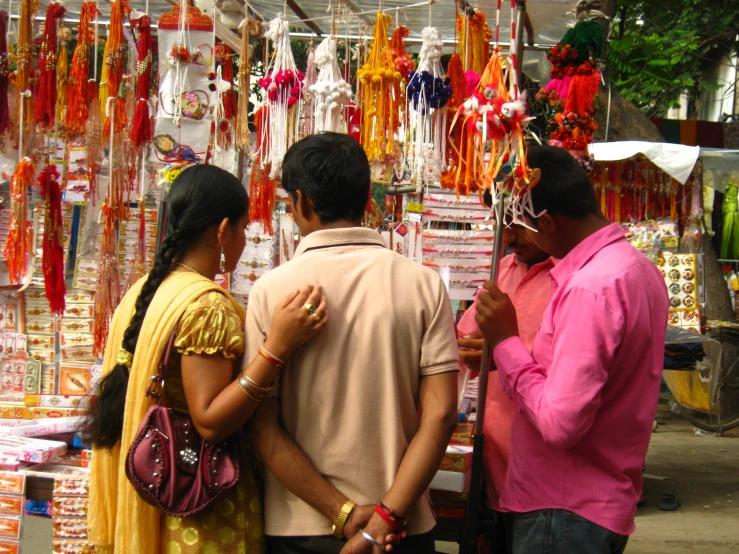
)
(304, 205)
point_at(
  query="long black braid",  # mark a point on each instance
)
(201, 196)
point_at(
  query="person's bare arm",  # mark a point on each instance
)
(438, 398)
(216, 403)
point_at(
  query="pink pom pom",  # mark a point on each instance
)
(301, 75)
(291, 101)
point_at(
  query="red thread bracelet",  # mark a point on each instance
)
(395, 523)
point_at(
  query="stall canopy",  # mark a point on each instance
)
(674, 159)
(548, 17)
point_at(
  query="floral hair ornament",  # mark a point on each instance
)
(124, 358)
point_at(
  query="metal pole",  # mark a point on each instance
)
(472, 515)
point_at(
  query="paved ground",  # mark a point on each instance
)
(703, 472)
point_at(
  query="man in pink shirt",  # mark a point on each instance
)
(524, 275)
(586, 395)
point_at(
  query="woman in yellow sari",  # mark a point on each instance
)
(207, 215)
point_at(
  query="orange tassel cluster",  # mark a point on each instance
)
(20, 236)
(455, 71)
(261, 186)
(474, 41)
(381, 108)
(52, 261)
(115, 62)
(78, 91)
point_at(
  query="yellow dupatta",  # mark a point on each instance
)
(119, 521)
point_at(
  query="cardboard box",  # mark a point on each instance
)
(450, 481)
(31, 450)
(52, 413)
(57, 401)
(457, 459)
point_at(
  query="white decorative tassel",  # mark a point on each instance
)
(428, 94)
(284, 85)
(331, 93)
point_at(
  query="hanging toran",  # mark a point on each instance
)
(428, 93)
(4, 75)
(380, 106)
(79, 91)
(115, 63)
(249, 28)
(284, 84)
(141, 132)
(44, 114)
(62, 77)
(331, 93)
(52, 261)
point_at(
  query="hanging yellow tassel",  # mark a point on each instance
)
(381, 115)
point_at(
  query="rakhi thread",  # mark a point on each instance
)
(115, 62)
(62, 78)
(52, 261)
(249, 28)
(108, 291)
(261, 185)
(19, 244)
(78, 90)
(141, 132)
(44, 114)
(4, 75)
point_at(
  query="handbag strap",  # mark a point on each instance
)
(156, 386)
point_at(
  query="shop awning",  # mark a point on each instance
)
(674, 159)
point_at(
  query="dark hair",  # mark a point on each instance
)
(201, 196)
(564, 187)
(332, 170)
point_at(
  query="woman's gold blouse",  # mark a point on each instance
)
(211, 326)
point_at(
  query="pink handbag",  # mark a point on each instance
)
(170, 465)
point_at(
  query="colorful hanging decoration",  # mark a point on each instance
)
(108, 292)
(79, 92)
(284, 86)
(249, 27)
(403, 61)
(455, 76)
(62, 76)
(141, 131)
(474, 41)
(44, 114)
(19, 245)
(24, 60)
(570, 95)
(428, 93)
(261, 185)
(331, 93)
(4, 75)
(115, 63)
(309, 109)
(224, 58)
(52, 261)
(379, 78)
(730, 212)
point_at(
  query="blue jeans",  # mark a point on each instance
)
(563, 532)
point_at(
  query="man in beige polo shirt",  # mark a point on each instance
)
(366, 409)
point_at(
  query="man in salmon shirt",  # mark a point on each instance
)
(586, 395)
(524, 275)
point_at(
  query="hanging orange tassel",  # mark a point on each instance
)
(141, 132)
(582, 93)
(401, 57)
(94, 138)
(20, 235)
(62, 78)
(24, 59)
(52, 260)
(261, 186)
(115, 62)
(455, 72)
(78, 91)
(44, 114)
(474, 41)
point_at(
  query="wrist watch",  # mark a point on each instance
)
(337, 530)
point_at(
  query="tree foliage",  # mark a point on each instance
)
(659, 50)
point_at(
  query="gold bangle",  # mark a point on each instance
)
(338, 529)
(248, 393)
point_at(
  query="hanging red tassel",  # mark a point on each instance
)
(78, 93)
(45, 101)
(261, 186)
(4, 74)
(108, 292)
(224, 56)
(115, 62)
(141, 131)
(52, 261)
(20, 233)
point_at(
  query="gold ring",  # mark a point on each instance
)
(317, 317)
(310, 307)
